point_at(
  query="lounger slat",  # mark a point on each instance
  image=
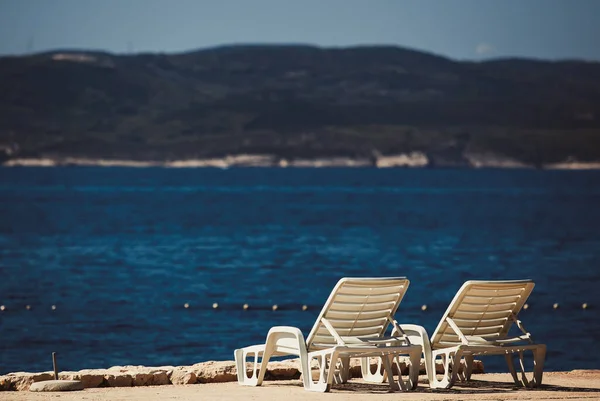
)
(349, 306)
(361, 331)
(465, 306)
(322, 335)
(366, 298)
(357, 282)
(446, 344)
(481, 315)
(479, 322)
(345, 315)
(481, 331)
(454, 339)
(478, 291)
(450, 339)
(336, 323)
(351, 290)
(491, 300)
(353, 332)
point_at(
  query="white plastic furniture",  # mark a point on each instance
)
(352, 323)
(477, 322)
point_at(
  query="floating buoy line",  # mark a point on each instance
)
(275, 307)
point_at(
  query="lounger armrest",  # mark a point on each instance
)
(417, 335)
(281, 341)
(286, 329)
(285, 340)
(521, 327)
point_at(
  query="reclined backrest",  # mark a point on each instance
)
(483, 309)
(358, 307)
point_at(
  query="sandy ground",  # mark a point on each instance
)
(576, 385)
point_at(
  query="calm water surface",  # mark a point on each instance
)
(119, 251)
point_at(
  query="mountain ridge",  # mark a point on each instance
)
(297, 102)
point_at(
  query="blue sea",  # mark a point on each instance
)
(119, 251)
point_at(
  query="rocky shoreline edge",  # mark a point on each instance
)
(203, 372)
(409, 160)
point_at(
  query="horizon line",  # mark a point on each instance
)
(290, 45)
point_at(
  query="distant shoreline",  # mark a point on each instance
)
(410, 160)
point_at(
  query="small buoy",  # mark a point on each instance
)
(584, 306)
(555, 306)
(2, 307)
(28, 307)
(186, 305)
(53, 307)
(525, 306)
(304, 307)
(215, 305)
(274, 307)
(424, 307)
(245, 306)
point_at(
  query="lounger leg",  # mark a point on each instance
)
(539, 357)
(418, 336)
(413, 369)
(330, 366)
(258, 373)
(524, 380)
(368, 376)
(327, 361)
(387, 367)
(280, 339)
(511, 367)
(344, 370)
(455, 365)
(468, 370)
(451, 360)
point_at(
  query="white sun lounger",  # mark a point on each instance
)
(477, 322)
(352, 323)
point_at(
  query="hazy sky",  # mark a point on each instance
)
(463, 29)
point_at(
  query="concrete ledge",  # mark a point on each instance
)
(204, 372)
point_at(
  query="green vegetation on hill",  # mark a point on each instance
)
(297, 102)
